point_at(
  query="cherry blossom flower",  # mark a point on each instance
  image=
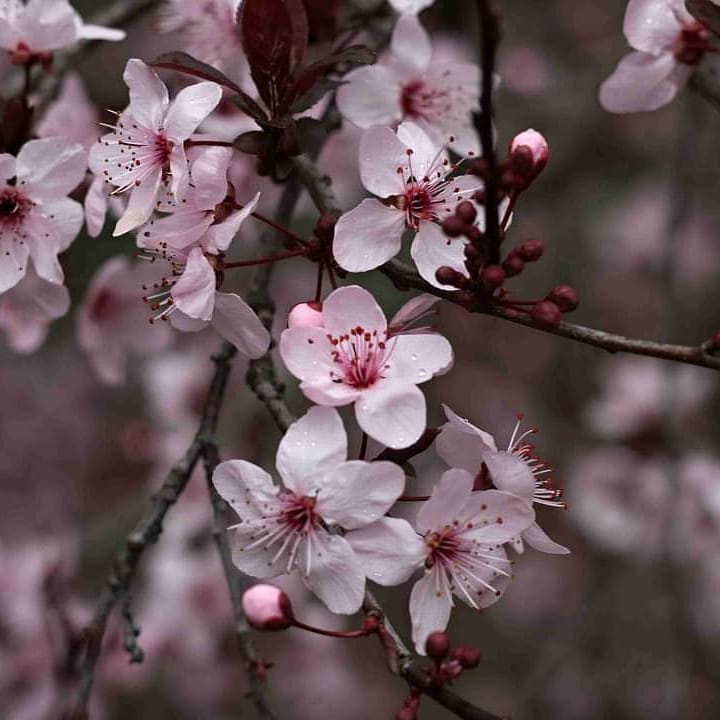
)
(145, 153)
(514, 470)
(37, 220)
(43, 26)
(668, 43)
(352, 359)
(413, 177)
(112, 320)
(440, 97)
(28, 308)
(283, 530)
(459, 540)
(71, 114)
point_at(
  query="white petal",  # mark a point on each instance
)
(209, 174)
(13, 261)
(425, 152)
(351, 307)
(511, 474)
(432, 249)
(381, 155)
(306, 352)
(368, 236)
(141, 204)
(191, 106)
(44, 244)
(99, 32)
(430, 606)
(247, 488)
(66, 217)
(450, 496)
(220, 236)
(335, 575)
(95, 207)
(148, 94)
(462, 445)
(194, 292)
(392, 412)
(652, 25)
(496, 517)
(410, 6)
(536, 537)
(256, 560)
(370, 96)
(51, 167)
(356, 493)
(329, 392)
(419, 358)
(237, 322)
(642, 82)
(313, 445)
(410, 43)
(389, 550)
(414, 309)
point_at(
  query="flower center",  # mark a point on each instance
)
(443, 546)
(298, 513)
(13, 206)
(691, 44)
(361, 356)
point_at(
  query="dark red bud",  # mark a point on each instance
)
(447, 276)
(513, 265)
(565, 297)
(467, 212)
(437, 646)
(406, 713)
(531, 250)
(452, 670)
(546, 313)
(325, 227)
(453, 226)
(468, 656)
(492, 277)
(473, 233)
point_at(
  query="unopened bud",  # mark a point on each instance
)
(536, 144)
(445, 275)
(565, 297)
(437, 646)
(452, 670)
(546, 313)
(466, 211)
(307, 314)
(467, 656)
(406, 713)
(492, 277)
(325, 228)
(531, 250)
(266, 607)
(513, 265)
(453, 226)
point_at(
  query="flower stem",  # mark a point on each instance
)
(363, 446)
(332, 633)
(265, 261)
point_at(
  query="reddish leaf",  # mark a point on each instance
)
(322, 18)
(706, 12)
(188, 65)
(274, 35)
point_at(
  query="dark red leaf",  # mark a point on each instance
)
(188, 65)
(706, 12)
(274, 35)
(322, 19)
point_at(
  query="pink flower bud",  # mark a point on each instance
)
(536, 143)
(307, 314)
(437, 646)
(492, 277)
(266, 607)
(565, 297)
(546, 313)
(467, 656)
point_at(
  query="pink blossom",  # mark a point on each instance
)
(413, 85)
(145, 153)
(460, 537)
(415, 311)
(412, 175)
(283, 530)
(37, 220)
(71, 114)
(514, 470)
(668, 43)
(42, 26)
(535, 144)
(112, 320)
(352, 359)
(28, 308)
(267, 607)
(306, 315)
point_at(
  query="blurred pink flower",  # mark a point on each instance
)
(411, 174)
(145, 153)
(27, 309)
(71, 114)
(37, 220)
(351, 360)
(283, 530)
(112, 321)
(413, 85)
(525, 70)
(668, 43)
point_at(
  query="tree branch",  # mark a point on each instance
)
(146, 532)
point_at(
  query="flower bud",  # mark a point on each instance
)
(447, 276)
(437, 646)
(406, 713)
(513, 265)
(565, 297)
(468, 656)
(266, 607)
(546, 313)
(531, 250)
(453, 226)
(325, 228)
(466, 211)
(307, 314)
(492, 277)
(536, 144)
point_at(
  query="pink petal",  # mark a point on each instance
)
(370, 96)
(247, 488)
(351, 307)
(306, 353)
(98, 32)
(95, 207)
(410, 43)
(355, 494)
(392, 412)
(13, 261)
(209, 174)
(426, 153)
(497, 517)
(430, 606)
(191, 106)
(51, 168)
(141, 204)
(432, 249)
(381, 154)
(313, 445)
(237, 322)
(419, 358)
(329, 393)
(148, 94)
(220, 236)
(537, 538)
(511, 474)
(450, 496)
(368, 236)
(652, 25)
(389, 550)
(194, 292)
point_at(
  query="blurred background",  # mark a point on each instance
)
(627, 626)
